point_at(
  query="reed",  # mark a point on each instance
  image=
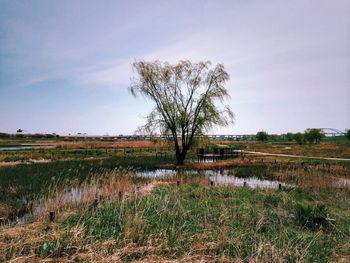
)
(196, 221)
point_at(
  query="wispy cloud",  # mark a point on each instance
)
(115, 74)
(274, 50)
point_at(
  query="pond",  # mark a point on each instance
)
(15, 148)
(18, 147)
(225, 177)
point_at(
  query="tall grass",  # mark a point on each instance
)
(100, 186)
(309, 175)
(198, 222)
(21, 184)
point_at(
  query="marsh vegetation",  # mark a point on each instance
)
(125, 204)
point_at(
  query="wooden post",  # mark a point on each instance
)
(178, 183)
(244, 184)
(120, 194)
(95, 204)
(211, 183)
(279, 186)
(31, 206)
(52, 216)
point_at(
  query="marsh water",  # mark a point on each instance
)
(223, 177)
(79, 194)
(19, 147)
(15, 148)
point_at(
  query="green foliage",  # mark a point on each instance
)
(237, 146)
(155, 140)
(289, 136)
(262, 136)
(299, 138)
(347, 134)
(313, 135)
(274, 137)
(222, 221)
(272, 200)
(200, 142)
(57, 248)
(24, 182)
(311, 216)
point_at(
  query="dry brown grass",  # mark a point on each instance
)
(101, 187)
(118, 144)
(24, 241)
(219, 164)
(27, 239)
(317, 177)
(324, 149)
(4, 209)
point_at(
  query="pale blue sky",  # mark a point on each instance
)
(65, 65)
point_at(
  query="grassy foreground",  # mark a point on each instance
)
(21, 183)
(195, 222)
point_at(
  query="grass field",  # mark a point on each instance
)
(63, 150)
(194, 222)
(180, 217)
(340, 149)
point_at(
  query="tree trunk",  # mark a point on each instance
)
(180, 158)
(181, 155)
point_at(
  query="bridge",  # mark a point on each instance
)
(332, 132)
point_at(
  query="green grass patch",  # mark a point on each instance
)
(219, 222)
(21, 183)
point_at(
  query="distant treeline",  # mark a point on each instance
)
(308, 136)
(23, 135)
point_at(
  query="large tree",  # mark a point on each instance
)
(262, 136)
(188, 99)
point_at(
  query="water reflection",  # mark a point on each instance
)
(72, 196)
(156, 173)
(341, 183)
(16, 148)
(219, 177)
(252, 182)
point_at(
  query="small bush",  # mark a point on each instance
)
(311, 216)
(299, 138)
(262, 136)
(347, 134)
(237, 146)
(272, 200)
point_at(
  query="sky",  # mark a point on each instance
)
(65, 66)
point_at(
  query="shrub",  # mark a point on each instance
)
(347, 134)
(299, 138)
(155, 140)
(289, 136)
(311, 216)
(262, 136)
(313, 135)
(237, 146)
